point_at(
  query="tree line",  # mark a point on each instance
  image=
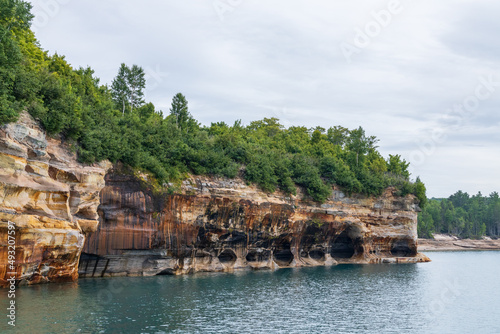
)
(462, 215)
(116, 123)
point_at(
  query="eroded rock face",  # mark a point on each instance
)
(223, 225)
(59, 206)
(51, 199)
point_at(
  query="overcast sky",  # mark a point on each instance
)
(422, 76)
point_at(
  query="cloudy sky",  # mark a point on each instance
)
(422, 76)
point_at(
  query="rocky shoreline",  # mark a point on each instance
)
(443, 242)
(72, 220)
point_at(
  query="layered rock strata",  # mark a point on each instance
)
(222, 225)
(59, 207)
(50, 199)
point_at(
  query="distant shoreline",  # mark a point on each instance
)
(443, 242)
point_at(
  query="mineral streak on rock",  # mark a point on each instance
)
(223, 225)
(52, 200)
(60, 207)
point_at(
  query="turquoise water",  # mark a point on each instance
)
(459, 292)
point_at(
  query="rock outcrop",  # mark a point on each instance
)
(445, 242)
(223, 225)
(60, 207)
(50, 198)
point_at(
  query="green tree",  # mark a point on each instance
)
(420, 192)
(306, 174)
(376, 163)
(15, 17)
(120, 89)
(180, 113)
(398, 166)
(338, 135)
(359, 144)
(136, 82)
(14, 14)
(460, 199)
(493, 214)
(179, 110)
(128, 86)
(269, 127)
(261, 171)
(425, 225)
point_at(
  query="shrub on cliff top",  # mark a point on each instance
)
(115, 124)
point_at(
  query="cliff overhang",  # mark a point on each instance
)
(97, 221)
(216, 224)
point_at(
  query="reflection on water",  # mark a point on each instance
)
(456, 293)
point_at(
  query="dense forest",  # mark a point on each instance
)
(462, 215)
(115, 123)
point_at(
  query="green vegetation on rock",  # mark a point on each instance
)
(115, 123)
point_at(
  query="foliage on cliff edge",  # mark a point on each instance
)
(115, 124)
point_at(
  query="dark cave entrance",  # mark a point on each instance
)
(317, 255)
(258, 255)
(227, 256)
(402, 248)
(342, 247)
(166, 272)
(283, 257)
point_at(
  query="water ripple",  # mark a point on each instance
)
(456, 293)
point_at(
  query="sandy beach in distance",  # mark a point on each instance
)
(444, 242)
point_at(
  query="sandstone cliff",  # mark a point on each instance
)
(52, 200)
(61, 207)
(222, 225)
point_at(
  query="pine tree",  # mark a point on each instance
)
(179, 109)
(136, 83)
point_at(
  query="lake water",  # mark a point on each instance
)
(459, 292)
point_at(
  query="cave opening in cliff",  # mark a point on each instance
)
(258, 255)
(227, 256)
(283, 257)
(402, 248)
(317, 255)
(166, 272)
(343, 247)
